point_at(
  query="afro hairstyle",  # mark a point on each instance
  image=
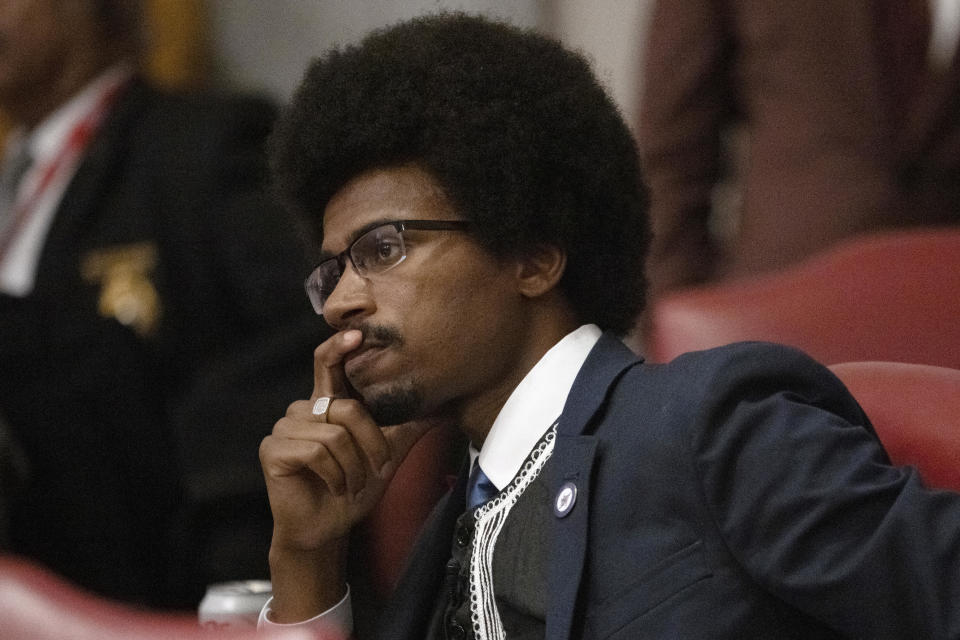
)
(513, 127)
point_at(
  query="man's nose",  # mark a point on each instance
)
(349, 300)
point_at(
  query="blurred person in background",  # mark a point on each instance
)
(769, 131)
(151, 318)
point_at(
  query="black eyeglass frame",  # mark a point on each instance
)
(315, 292)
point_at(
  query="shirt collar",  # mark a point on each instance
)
(534, 406)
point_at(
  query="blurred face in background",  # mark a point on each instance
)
(48, 50)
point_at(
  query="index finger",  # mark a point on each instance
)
(329, 378)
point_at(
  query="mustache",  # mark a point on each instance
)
(380, 335)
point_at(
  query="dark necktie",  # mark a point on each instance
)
(479, 487)
(12, 172)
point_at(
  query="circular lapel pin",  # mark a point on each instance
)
(566, 498)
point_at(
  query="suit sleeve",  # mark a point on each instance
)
(684, 108)
(809, 504)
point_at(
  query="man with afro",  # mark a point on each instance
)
(483, 229)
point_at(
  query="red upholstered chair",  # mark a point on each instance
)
(387, 536)
(892, 296)
(36, 605)
(915, 409)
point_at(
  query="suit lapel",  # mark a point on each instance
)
(572, 464)
(93, 177)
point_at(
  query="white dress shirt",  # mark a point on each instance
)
(533, 406)
(528, 413)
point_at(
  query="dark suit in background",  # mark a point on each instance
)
(165, 333)
(839, 128)
(758, 504)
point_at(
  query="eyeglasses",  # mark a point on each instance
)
(377, 250)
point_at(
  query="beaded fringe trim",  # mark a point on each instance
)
(490, 519)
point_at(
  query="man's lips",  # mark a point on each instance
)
(362, 357)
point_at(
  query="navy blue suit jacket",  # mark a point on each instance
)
(735, 493)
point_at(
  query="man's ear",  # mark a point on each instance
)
(539, 271)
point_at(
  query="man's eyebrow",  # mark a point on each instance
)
(356, 233)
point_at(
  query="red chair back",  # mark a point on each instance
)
(37, 605)
(915, 409)
(387, 536)
(892, 297)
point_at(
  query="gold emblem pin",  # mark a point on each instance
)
(127, 293)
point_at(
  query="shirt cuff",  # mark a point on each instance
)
(335, 622)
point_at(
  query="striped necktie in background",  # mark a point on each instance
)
(14, 168)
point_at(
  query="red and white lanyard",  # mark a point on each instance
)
(65, 159)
